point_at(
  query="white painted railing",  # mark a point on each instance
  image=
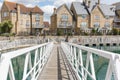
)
(95, 40)
(75, 55)
(19, 42)
(32, 58)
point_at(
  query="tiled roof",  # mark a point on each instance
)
(92, 5)
(107, 10)
(117, 5)
(23, 9)
(79, 8)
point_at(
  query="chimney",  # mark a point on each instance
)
(18, 10)
(55, 10)
(17, 17)
(89, 3)
(98, 1)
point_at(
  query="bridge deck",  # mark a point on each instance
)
(56, 67)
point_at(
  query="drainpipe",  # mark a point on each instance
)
(17, 17)
(31, 23)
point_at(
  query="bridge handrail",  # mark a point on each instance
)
(71, 54)
(41, 53)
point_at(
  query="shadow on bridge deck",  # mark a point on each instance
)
(57, 67)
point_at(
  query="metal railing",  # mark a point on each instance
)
(95, 39)
(28, 62)
(85, 67)
(8, 44)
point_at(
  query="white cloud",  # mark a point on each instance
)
(48, 10)
(60, 2)
(30, 5)
(26, 2)
(1, 4)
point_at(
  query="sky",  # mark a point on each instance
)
(48, 5)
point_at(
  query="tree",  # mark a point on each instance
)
(6, 26)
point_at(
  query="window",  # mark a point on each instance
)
(107, 24)
(13, 14)
(37, 23)
(64, 17)
(5, 14)
(96, 17)
(107, 17)
(83, 24)
(84, 16)
(37, 16)
(96, 24)
(27, 23)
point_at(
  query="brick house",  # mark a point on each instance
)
(117, 17)
(61, 20)
(91, 14)
(86, 15)
(25, 20)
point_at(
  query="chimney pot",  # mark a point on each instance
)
(55, 10)
(89, 3)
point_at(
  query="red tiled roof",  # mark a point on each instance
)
(46, 24)
(12, 7)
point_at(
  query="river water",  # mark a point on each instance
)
(101, 64)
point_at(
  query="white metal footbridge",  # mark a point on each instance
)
(59, 61)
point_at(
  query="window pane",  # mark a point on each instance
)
(64, 17)
(37, 16)
(97, 17)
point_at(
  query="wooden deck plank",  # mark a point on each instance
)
(56, 68)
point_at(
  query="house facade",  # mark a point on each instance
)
(86, 15)
(91, 14)
(25, 20)
(61, 20)
(117, 17)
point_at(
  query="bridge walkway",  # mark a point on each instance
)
(57, 67)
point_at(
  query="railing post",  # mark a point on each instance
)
(35, 61)
(25, 65)
(117, 67)
(81, 62)
(87, 64)
(11, 72)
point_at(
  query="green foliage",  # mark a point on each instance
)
(60, 32)
(115, 31)
(6, 26)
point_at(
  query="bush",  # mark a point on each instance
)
(5, 27)
(5, 34)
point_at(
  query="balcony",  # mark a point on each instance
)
(37, 26)
(65, 25)
(37, 18)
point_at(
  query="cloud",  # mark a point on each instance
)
(60, 2)
(1, 4)
(48, 10)
(26, 2)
